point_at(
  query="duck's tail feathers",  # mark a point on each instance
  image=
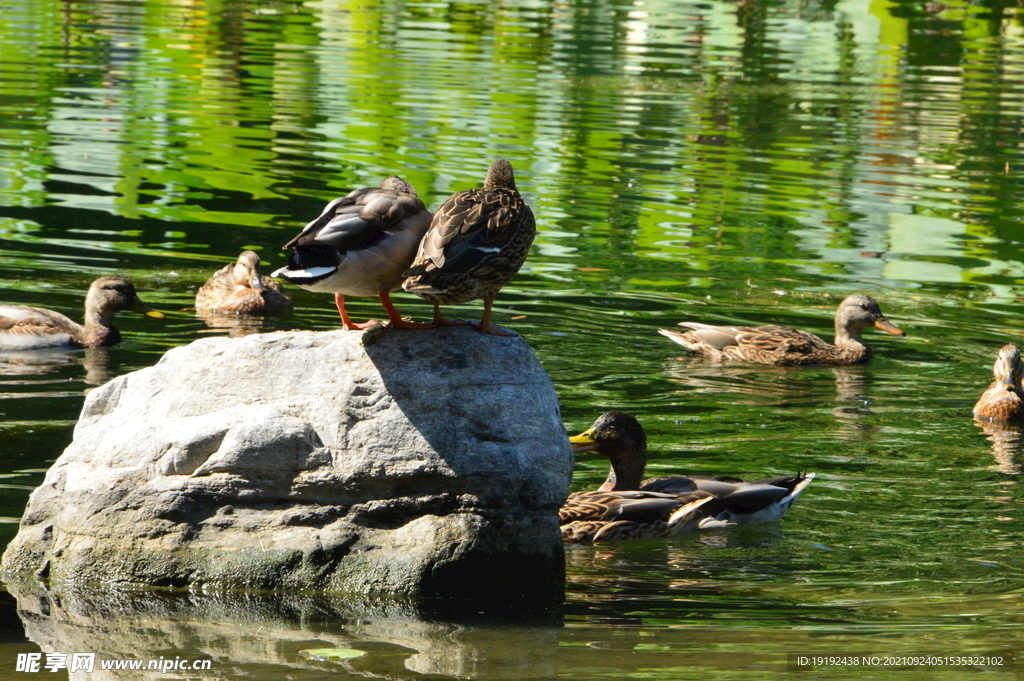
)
(304, 277)
(802, 481)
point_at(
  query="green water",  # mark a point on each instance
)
(748, 162)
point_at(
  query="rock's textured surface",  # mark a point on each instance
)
(427, 464)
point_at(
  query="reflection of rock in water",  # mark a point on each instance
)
(1006, 444)
(98, 366)
(240, 631)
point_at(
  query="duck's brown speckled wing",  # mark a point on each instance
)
(626, 505)
(22, 319)
(764, 344)
(478, 240)
(613, 516)
(758, 338)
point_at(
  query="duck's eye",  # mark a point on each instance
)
(864, 306)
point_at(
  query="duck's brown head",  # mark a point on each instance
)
(109, 295)
(1008, 369)
(246, 271)
(859, 311)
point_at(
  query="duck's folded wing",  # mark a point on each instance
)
(775, 338)
(643, 510)
(21, 319)
(462, 234)
(596, 505)
(358, 220)
(717, 337)
(750, 499)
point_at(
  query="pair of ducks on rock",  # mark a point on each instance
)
(377, 240)
(381, 239)
(628, 507)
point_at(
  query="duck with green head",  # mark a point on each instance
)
(724, 500)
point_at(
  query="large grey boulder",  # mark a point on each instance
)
(429, 463)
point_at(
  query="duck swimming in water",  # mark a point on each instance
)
(612, 511)
(785, 346)
(1004, 399)
(239, 288)
(29, 328)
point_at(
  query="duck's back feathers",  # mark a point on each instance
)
(478, 240)
(594, 517)
(359, 220)
(737, 501)
(361, 243)
(24, 327)
(780, 345)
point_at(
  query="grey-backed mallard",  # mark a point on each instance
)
(785, 346)
(727, 500)
(29, 328)
(477, 242)
(361, 245)
(1004, 399)
(239, 288)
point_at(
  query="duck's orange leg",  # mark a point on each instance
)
(485, 324)
(441, 321)
(346, 322)
(396, 319)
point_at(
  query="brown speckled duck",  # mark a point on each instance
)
(477, 242)
(239, 288)
(785, 346)
(361, 245)
(611, 512)
(595, 517)
(31, 328)
(1004, 399)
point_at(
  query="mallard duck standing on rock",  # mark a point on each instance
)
(30, 328)
(628, 507)
(360, 246)
(1004, 399)
(785, 346)
(239, 288)
(477, 242)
